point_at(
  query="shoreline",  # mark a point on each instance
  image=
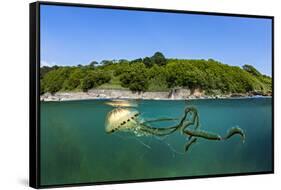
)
(105, 94)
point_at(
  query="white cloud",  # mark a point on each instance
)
(47, 63)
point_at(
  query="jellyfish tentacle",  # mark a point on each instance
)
(144, 144)
(171, 148)
(189, 143)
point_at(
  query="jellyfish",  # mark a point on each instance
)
(129, 120)
(121, 103)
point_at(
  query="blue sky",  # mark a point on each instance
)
(76, 35)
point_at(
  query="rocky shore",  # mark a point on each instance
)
(175, 94)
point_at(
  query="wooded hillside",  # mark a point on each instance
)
(155, 73)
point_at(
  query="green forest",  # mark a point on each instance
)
(155, 73)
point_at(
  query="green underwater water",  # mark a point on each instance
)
(74, 147)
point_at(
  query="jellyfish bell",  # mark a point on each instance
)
(121, 103)
(121, 119)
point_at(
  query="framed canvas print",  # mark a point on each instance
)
(122, 94)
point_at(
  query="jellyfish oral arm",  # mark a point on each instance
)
(235, 131)
(157, 131)
(202, 134)
(159, 120)
(212, 136)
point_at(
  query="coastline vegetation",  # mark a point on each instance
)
(155, 73)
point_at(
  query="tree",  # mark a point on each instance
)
(87, 83)
(252, 70)
(74, 78)
(121, 68)
(106, 62)
(159, 59)
(147, 61)
(136, 60)
(93, 79)
(44, 70)
(101, 77)
(157, 77)
(55, 67)
(123, 61)
(54, 80)
(136, 79)
(93, 64)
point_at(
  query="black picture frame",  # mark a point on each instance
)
(34, 91)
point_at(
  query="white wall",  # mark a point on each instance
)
(14, 26)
